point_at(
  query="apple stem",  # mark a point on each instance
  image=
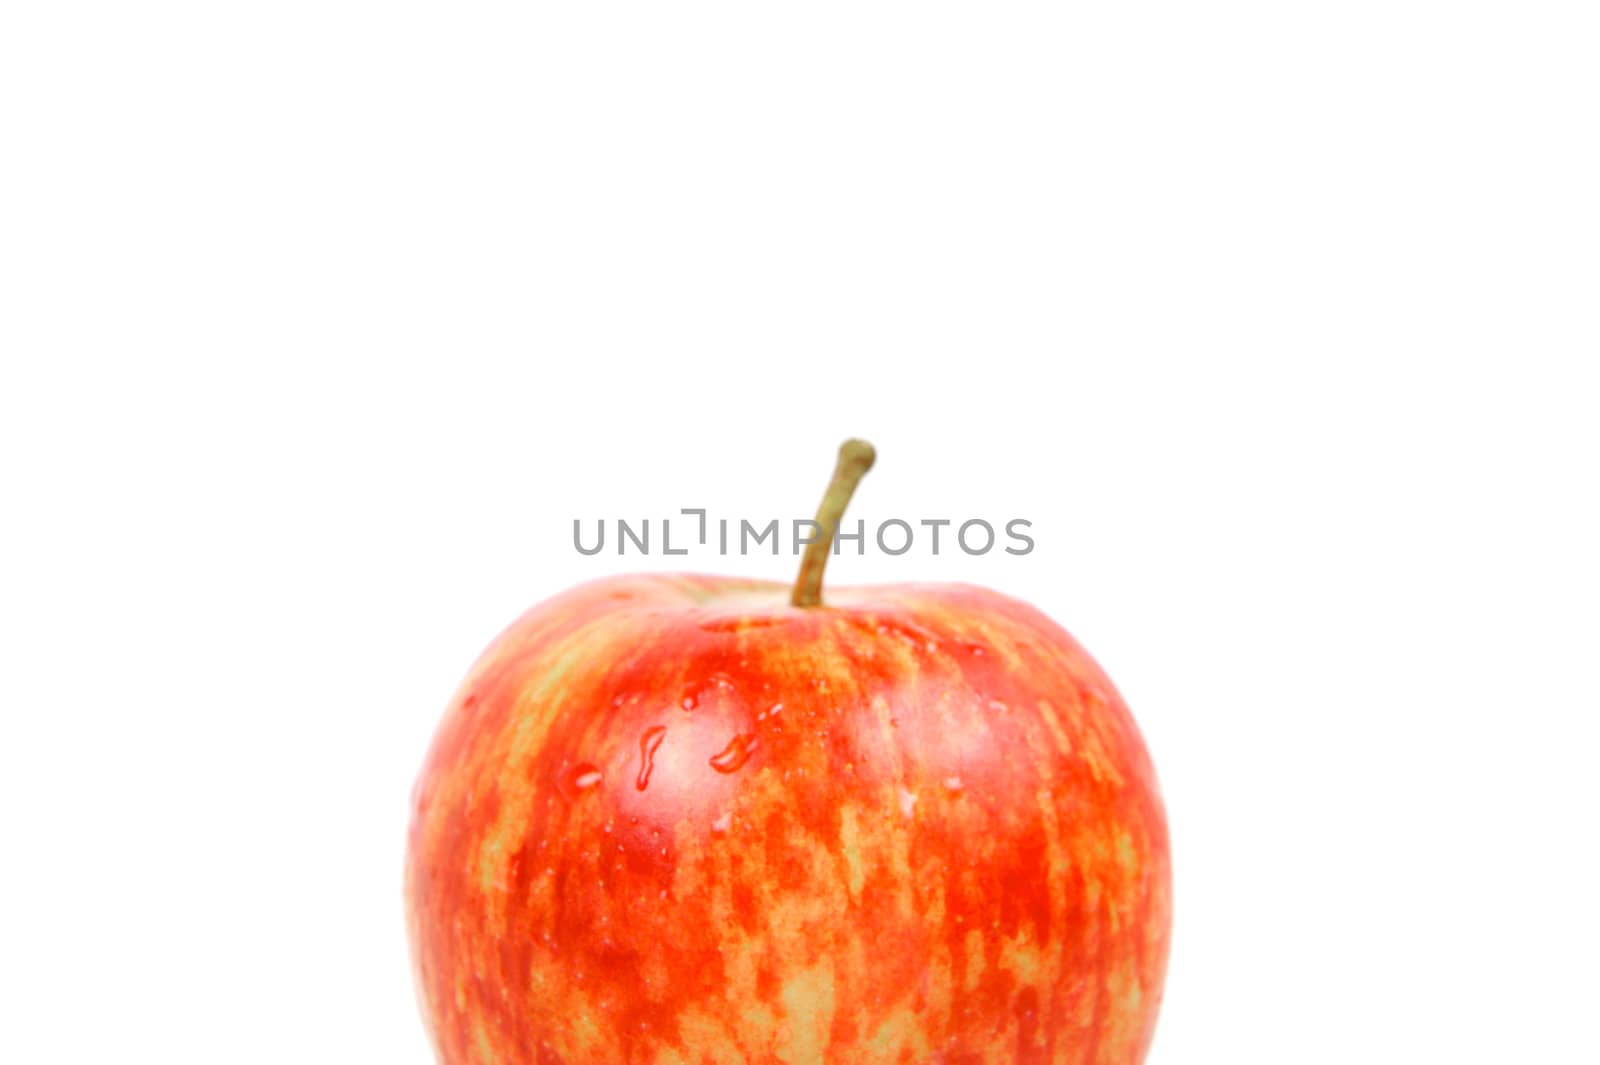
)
(855, 459)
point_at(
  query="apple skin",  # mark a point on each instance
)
(673, 819)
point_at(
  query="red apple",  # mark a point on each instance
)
(684, 820)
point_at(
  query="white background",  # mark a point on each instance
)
(322, 321)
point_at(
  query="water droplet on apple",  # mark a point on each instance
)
(908, 801)
(648, 745)
(689, 702)
(721, 825)
(954, 785)
(735, 754)
(580, 778)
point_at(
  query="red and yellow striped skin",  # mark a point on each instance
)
(676, 821)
